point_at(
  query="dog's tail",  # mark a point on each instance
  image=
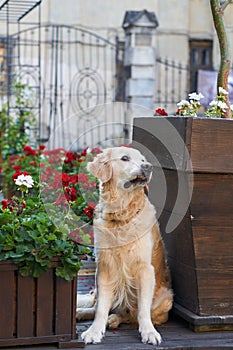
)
(86, 306)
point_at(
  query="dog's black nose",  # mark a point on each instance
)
(146, 167)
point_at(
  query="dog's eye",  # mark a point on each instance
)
(125, 158)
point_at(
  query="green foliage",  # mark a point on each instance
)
(53, 219)
(15, 130)
(50, 199)
(32, 241)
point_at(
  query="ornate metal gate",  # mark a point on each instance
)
(77, 85)
(78, 89)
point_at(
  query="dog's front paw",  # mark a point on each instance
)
(92, 335)
(151, 336)
(113, 321)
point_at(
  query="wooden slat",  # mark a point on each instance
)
(73, 308)
(63, 320)
(184, 284)
(215, 288)
(208, 153)
(45, 304)
(7, 298)
(212, 197)
(165, 187)
(25, 307)
(212, 153)
(213, 250)
(162, 140)
(179, 243)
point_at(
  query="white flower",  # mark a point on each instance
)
(24, 180)
(222, 91)
(231, 107)
(183, 103)
(196, 97)
(213, 103)
(222, 105)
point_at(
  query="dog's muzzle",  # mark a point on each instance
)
(142, 178)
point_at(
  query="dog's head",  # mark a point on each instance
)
(126, 167)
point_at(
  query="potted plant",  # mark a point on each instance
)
(192, 190)
(41, 227)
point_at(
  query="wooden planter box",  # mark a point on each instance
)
(200, 248)
(37, 310)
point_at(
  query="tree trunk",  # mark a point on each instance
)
(218, 18)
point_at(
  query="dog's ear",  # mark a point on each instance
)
(101, 166)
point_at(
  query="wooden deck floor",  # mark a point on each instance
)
(175, 333)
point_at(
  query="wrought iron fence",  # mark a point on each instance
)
(171, 83)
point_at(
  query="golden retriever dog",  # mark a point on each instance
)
(132, 277)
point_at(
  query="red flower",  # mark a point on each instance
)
(96, 150)
(33, 164)
(29, 151)
(179, 109)
(89, 211)
(70, 194)
(84, 152)
(66, 179)
(42, 147)
(13, 205)
(161, 111)
(5, 203)
(17, 167)
(74, 179)
(69, 157)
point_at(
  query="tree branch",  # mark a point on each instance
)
(225, 4)
(225, 63)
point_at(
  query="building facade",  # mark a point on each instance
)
(83, 55)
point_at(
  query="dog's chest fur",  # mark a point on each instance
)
(121, 265)
(123, 247)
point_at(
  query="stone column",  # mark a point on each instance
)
(140, 57)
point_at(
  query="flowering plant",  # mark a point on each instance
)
(192, 106)
(49, 210)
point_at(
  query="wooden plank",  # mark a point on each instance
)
(213, 246)
(212, 154)
(162, 140)
(7, 298)
(73, 308)
(7, 266)
(184, 284)
(212, 197)
(219, 285)
(25, 307)
(167, 186)
(179, 243)
(208, 153)
(204, 323)
(63, 307)
(45, 305)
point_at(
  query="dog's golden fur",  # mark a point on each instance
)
(133, 280)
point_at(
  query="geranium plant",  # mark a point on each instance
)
(50, 210)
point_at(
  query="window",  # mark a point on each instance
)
(200, 58)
